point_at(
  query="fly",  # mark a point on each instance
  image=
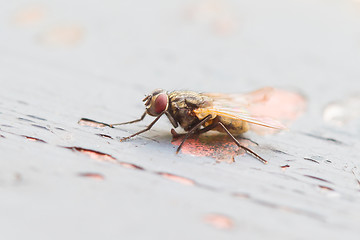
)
(198, 113)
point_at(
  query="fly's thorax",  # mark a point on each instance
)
(192, 99)
(182, 104)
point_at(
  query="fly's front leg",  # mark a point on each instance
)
(90, 122)
(134, 121)
(144, 130)
(171, 119)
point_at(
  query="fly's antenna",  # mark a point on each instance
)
(147, 100)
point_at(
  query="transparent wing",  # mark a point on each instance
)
(242, 100)
(269, 107)
(239, 115)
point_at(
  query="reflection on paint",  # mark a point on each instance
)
(341, 112)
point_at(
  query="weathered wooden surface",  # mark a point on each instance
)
(60, 61)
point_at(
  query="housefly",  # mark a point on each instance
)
(198, 113)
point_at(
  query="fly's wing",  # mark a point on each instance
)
(239, 115)
(269, 107)
(242, 100)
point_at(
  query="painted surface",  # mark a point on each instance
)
(63, 61)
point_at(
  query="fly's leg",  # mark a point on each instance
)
(144, 130)
(215, 124)
(196, 130)
(192, 131)
(248, 150)
(174, 134)
(171, 119)
(134, 121)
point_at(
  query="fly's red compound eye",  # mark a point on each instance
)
(161, 103)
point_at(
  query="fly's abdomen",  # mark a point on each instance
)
(234, 126)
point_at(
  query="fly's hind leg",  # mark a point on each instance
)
(197, 131)
(248, 150)
(212, 126)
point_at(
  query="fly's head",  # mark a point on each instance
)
(156, 102)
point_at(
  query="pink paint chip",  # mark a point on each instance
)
(219, 221)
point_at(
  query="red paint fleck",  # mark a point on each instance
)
(65, 35)
(104, 136)
(30, 15)
(104, 157)
(215, 145)
(34, 139)
(99, 156)
(97, 176)
(312, 160)
(91, 123)
(241, 195)
(219, 221)
(326, 188)
(175, 178)
(285, 167)
(215, 15)
(130, 165)
(317, 178)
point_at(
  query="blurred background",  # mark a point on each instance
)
(203, 45)
(64, 60)
(216, 45)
